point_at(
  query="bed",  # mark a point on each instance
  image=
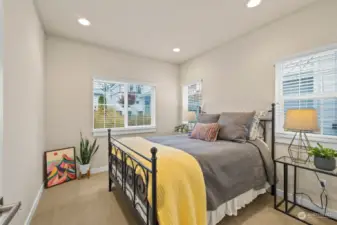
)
(234, 173)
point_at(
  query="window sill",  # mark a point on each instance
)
(286, 137)
(124, 131)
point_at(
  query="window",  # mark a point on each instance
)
(123, 107)
(309, 82)
(192, 97)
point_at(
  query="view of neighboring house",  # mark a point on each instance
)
(111, 97)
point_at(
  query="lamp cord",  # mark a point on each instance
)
(323, 194)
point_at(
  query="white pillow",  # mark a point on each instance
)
(255, 129)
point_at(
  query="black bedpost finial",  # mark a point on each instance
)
(109, 133)
(109, 142)
(154, 185)
(154, 152)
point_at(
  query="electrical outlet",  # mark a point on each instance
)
(323, 183)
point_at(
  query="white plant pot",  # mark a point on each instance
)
(84, 168)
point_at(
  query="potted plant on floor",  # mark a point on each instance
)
(324, 158)
(87, 151)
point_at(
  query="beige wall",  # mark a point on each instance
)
(240, 76)
(248, 61)
(70, 69)
(23, 100)
(1, 93)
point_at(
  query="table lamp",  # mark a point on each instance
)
(191, 117)
(300, 121)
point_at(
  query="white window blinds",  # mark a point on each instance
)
(309, 82)
(192, 97)
(123, 105)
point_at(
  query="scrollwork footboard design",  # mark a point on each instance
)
(132, 176)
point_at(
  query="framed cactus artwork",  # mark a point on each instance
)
(59, 166)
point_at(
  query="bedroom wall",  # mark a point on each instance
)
(1, 92)
(239, 75)
(70, 69)
(23, 105)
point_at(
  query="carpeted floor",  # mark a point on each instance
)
(87, 202)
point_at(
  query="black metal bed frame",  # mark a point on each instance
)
(123, 167)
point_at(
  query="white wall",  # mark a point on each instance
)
(248, 61)
(239, 75)
(23, 101)
(70, 69)
(1, 92)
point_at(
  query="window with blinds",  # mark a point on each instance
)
(122, 105)
(192, 97)
(309, 82)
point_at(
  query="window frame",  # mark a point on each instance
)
(285, 137)
(185, 100)
(126, 129)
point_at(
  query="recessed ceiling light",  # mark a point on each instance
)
(176, 49)
(84, 22)
(253, 3)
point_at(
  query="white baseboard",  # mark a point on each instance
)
(34, 206)
(306, 202)
(99, 169)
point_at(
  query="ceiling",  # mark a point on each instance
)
(152, 28)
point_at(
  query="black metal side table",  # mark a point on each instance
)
(289, 204)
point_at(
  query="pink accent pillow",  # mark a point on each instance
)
(206, 132)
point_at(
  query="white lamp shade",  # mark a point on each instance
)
(190, 116)
(301, 120)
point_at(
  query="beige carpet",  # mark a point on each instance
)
(87, 202)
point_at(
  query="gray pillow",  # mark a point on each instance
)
(234, 126)
(208, 118)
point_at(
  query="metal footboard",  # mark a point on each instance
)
(123, 169)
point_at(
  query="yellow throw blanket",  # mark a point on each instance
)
(181, 193)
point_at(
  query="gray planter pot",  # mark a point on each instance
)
(325, 164)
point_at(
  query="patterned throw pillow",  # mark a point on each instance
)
(255, 131)
(206, 132)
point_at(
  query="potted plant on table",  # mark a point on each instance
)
(87, 151)
(324, 158)
(183, 128)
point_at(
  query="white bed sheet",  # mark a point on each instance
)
(231, 207)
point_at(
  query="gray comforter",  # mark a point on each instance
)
(229, 168)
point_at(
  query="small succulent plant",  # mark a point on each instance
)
(87, 151)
